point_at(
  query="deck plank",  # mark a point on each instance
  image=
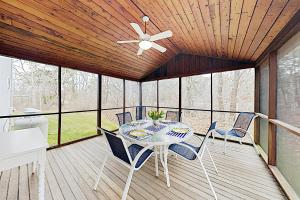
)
(71, 173)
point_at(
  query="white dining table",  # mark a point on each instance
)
(160, 136)
(21, 147)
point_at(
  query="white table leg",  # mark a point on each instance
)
(42, 163)
(161, 151)
(156, 161)
(166, 165)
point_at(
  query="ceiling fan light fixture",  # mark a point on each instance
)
(145, 45)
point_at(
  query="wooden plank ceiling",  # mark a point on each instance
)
(82, 34)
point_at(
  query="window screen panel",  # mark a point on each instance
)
(288, 82)
(196, 92)
(169, 93)
(234, 90)
(288, 157)
(131, 93)
(112, 92)
(149, 93)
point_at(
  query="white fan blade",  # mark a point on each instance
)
(140, 51)
(158, 47)
(127, 41)
(137, 29)
(161, 35)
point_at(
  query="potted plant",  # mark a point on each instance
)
(155, 116)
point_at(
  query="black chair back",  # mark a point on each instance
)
(116, 145)
(124, 116)
(173, 115)
(140, 112)
(243, 121)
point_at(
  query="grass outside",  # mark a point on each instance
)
(76, 126)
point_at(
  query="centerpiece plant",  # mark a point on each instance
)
(156, 115)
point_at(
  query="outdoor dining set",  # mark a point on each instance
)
(138, 140)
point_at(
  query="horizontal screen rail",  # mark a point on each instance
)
(29, 115)
(292, 129)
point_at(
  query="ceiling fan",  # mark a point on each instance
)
(145, 40)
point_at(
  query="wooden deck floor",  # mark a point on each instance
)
(71, 171)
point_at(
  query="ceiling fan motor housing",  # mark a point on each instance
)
(145, 19)
(145, 37)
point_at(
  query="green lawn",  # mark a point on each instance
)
(76, 126)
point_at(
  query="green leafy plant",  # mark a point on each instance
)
(155, 115)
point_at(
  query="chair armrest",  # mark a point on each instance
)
(137, 157)
(187, 146)
(198, 137)
(240, 129)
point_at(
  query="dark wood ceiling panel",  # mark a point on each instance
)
(188, 65)
(82, 34)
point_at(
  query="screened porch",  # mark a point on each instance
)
(110, 121)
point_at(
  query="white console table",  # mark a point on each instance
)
(22, 147)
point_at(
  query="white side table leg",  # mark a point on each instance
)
(34, 166)
(42, 163)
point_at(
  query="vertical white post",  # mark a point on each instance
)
(42, 163)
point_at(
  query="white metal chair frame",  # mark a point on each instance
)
(131, 166)
(199, 155)
(240, 138)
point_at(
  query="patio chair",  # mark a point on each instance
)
(239, 130)
(140, 112)
(127, 117)
(173, 115)
(132, 157)
(191, 152)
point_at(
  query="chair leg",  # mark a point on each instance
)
(217, 172)
(99, 173)
(225, 140)
(257, 151)
(208, 180)
(161, 157)
(166, 165)
(126, 189)
(156, 161)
